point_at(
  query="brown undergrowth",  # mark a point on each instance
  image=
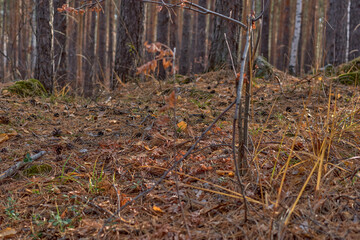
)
(304, 155)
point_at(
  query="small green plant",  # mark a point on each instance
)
(201, 104)
(96, 179)
(58, 221)
(10, 211)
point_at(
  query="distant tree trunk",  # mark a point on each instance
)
(264, 49)
(336, 32)
(101, 48)
(162, 35)
(72, 44)
(185, 43)
(173, 31)
(274, 31)
(90, 70)
(284, 35)
(2, 47)
(110, 53)
(296, 38)
(219, 54)
(200, 46)
(354, 43)
(44, 61)
(60, 44)
(129, 40)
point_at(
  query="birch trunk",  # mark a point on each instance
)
(296, 38)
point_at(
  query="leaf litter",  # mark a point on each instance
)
(100, 154)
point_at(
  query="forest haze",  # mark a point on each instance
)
(93, 49)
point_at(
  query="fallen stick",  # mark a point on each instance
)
(19, 165)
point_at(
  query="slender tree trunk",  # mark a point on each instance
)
(354, 43)
(283, 37)
(264, 48)
(185, 43)
(3, 44)
(110, 53)
(296, 38)
(60, 53)
(129, 40)
(162, 36)
(336, 32)
(274, 31)
(72, 44)
(219, 53)
(90, 70)
(101, 47)
(200, 46)
(44, 61)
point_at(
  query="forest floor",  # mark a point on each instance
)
(102, 153)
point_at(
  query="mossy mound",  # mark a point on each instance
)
(349, 73)
(37, 170)
(263, 68)
(27, 88)
(352, 66)
(350, 78)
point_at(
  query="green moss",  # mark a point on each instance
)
(37, 169)
(352, 66)
(27, 88)
(350, 78)
(199, 94)
(263, 68)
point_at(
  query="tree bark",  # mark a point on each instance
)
(2, 47)
(44, 61)
(200, 45)
(60, 52)
(162, 36)
(296, 38)
(264, 48)
(354, 44)
(101, 47)
(89, 63)
(219, 53)
(283, 37)
(72, 47)
(336, 32)
(129, 40)
(184, 64)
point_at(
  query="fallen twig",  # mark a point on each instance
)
(19, 165)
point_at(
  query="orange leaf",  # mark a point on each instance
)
(157, 209)
(3, 137)
(171, 100)
(182, 125)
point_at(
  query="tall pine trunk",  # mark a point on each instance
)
(89, 63)
(219, 53)
(200, 46)
(336, 36)
(184, 64)
(60, 57)
(354, 43)
(162, 35)
(128, 40)
(44, 59)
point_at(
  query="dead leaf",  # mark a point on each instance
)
(7, 232)
(157, 209)
(182, 125)
(3, 137)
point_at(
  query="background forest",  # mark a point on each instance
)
(86, 50)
